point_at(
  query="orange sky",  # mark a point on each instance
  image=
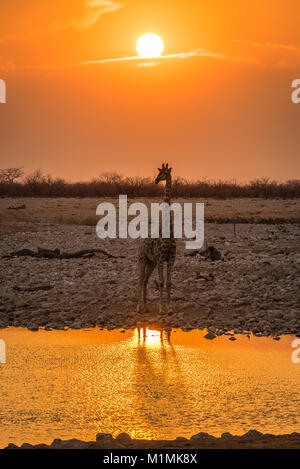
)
(224, 112)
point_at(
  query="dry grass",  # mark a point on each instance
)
(68, 211)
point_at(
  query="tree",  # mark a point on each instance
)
(10, 175)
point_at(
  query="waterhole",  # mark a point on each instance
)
(151, 384)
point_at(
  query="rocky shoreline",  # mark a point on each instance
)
(252, 439)
(252, 287)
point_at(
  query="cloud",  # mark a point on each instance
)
(136, 58)
(269, 45)
(273, 54)
(149, 63)
(93, 10)
(141, 62)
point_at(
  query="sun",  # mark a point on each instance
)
(149, 46)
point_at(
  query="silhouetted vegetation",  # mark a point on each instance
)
(38, 184)
(10, 175)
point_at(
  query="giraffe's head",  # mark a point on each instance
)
(164, 173)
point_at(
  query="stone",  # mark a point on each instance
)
(202, 436)
(123, 438)
(253, 434)
(104, 437)
(227, 435)
(210, 335)
(71, 444)
(26, 446)
(55, 443)
(11, 446)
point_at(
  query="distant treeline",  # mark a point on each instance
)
(14, 184)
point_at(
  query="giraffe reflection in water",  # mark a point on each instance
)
(163, 334)
(159, 384)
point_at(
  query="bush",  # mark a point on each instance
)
(112, 184)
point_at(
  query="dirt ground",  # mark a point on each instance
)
(253, 287)
(68, 211)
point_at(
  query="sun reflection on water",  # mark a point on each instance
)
(152, 337)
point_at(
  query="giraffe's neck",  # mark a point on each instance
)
(168, 189)
(167, 199)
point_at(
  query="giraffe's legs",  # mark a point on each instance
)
(148, 271)
(161, 285)
(169, 282)
(142, 268)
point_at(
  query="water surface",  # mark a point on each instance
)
(76, 383)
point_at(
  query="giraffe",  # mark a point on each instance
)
(154, 252)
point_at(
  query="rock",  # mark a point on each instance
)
(181, 438)
(253, 278)
(232, 338)
(252, 434)
(55, 443)
(26, 446)
(71, 444)
(11, 446)
(123, 438)
(210, 335)
(227, 435)
(104, 437)
(202, 436)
